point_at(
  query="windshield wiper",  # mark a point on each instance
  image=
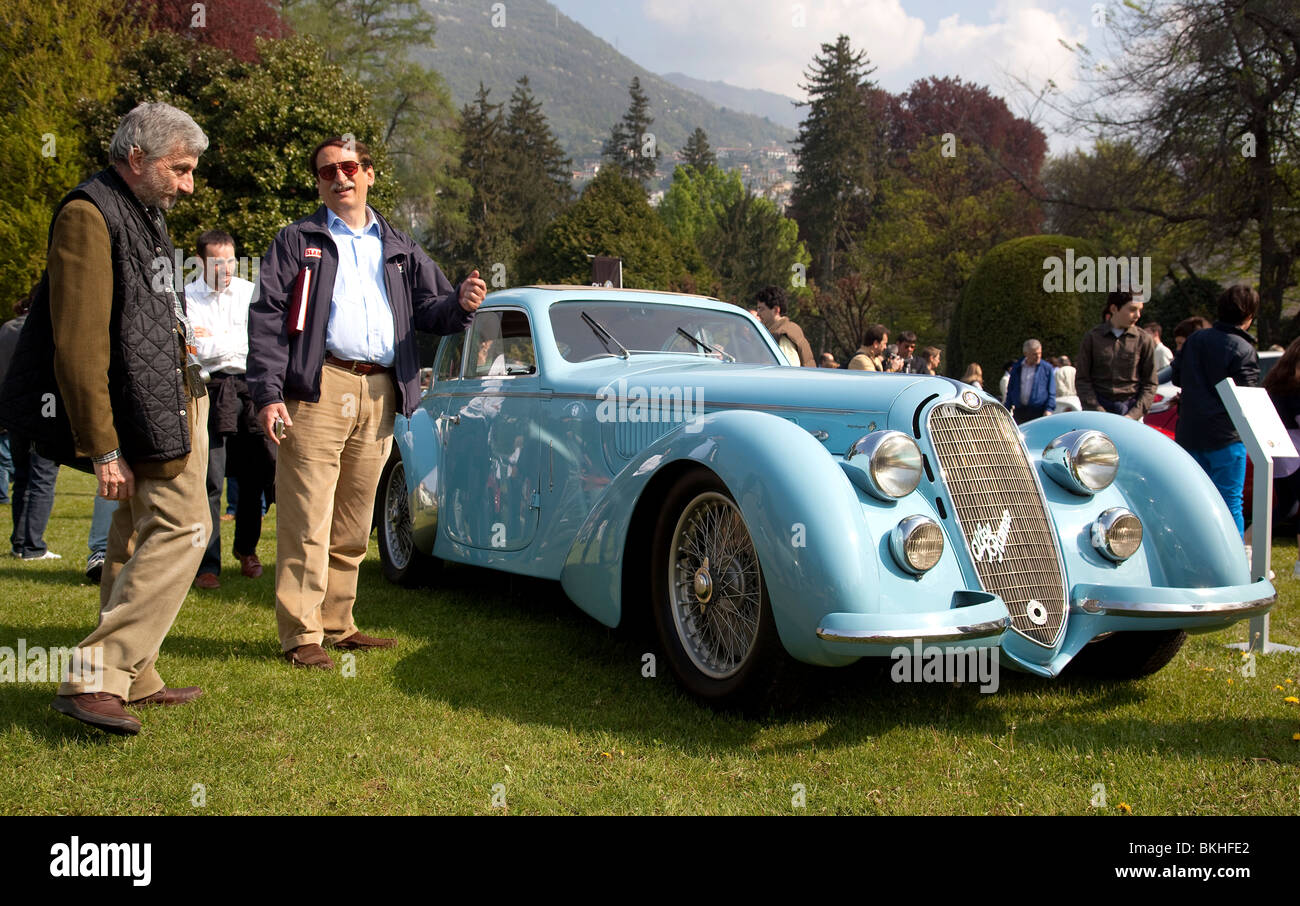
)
(602, 334)
(706, 347)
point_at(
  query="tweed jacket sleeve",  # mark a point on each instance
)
(81, 307)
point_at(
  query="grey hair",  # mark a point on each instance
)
(156, 129)
(1031, 344)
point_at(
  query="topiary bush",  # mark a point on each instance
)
(1004, 303)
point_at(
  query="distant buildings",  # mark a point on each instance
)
(768, 171)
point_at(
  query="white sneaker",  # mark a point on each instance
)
(48, 555)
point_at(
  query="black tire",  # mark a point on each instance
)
(745, 674)
(1128, 655)
(402, 563)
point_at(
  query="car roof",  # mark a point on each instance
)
(541, 297)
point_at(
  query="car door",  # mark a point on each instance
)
(494, 453)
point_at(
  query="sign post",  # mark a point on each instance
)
(1266, 439)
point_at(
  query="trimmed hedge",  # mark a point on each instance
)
(1004, 303)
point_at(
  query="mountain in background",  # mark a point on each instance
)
(778, 108)
(580, 80)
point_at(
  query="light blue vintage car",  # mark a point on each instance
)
(652, 453)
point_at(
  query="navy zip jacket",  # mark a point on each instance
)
(282, 366)
(1207, 357)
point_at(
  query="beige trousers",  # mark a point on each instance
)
(325, 481)
(155, 543)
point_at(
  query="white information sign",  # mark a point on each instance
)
(1266, 439)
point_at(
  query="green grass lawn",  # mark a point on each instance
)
(500, 682)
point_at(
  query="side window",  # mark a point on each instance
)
(449, 363)
(501, 344)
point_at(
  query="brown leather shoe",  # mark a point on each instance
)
(166, 696)
(358, 642)
(249, 565)
(99, 709)
(309, 656)
(207, 581)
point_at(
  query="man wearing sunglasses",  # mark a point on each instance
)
(332, 357)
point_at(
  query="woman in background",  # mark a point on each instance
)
(974, 376)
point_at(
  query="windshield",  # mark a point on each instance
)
(654, 328)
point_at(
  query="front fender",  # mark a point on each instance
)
(1189, 538)
(802, 512)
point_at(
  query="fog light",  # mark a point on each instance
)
(917, 544)
(1117, 534)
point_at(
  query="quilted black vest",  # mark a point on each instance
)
(146, 385)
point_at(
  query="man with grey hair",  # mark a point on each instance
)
(104, 379)
(1031, 391)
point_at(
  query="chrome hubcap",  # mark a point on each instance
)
(715, 585)
(703, 583)
(397, 518)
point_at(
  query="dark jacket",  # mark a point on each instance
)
(1207, 357)
(283, 366)
(9, 332)
(146, 384)
(1042, 394)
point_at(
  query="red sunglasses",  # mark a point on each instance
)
(349, 168)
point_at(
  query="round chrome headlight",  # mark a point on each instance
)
(917, 544)
(1083, 462)
(1117, 534)
(889, 460)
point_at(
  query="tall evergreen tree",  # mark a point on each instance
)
(835, 185)
(697, 153)
(632, 146)
(483, 166)
(539, 173)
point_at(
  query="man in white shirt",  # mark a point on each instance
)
(217, 303)
(1164, 355)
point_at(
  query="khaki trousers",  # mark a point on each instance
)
(155, 543)
(325, 481)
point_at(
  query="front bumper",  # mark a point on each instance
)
(973, 619)
(1197, 609)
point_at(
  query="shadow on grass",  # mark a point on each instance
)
(517, 648)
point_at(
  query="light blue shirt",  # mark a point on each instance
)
(361, 318)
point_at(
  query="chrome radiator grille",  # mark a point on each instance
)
(1001, 515)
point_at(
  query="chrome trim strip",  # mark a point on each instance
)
(957, 633)
(1236, 609)
(711, 405)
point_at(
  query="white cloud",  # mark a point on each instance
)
(758, 44)
(761, 44)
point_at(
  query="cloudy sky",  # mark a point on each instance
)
(769, 43)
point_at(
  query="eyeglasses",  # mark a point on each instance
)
(349, 168)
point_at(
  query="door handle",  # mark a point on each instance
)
(451, 419)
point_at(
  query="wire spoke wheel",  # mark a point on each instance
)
(397, 518)
(714, 585)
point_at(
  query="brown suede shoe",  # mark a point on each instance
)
(166, 696)
(358, 642)
(309, 656)
(99, 709)
(249, 565)
(207, 581)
